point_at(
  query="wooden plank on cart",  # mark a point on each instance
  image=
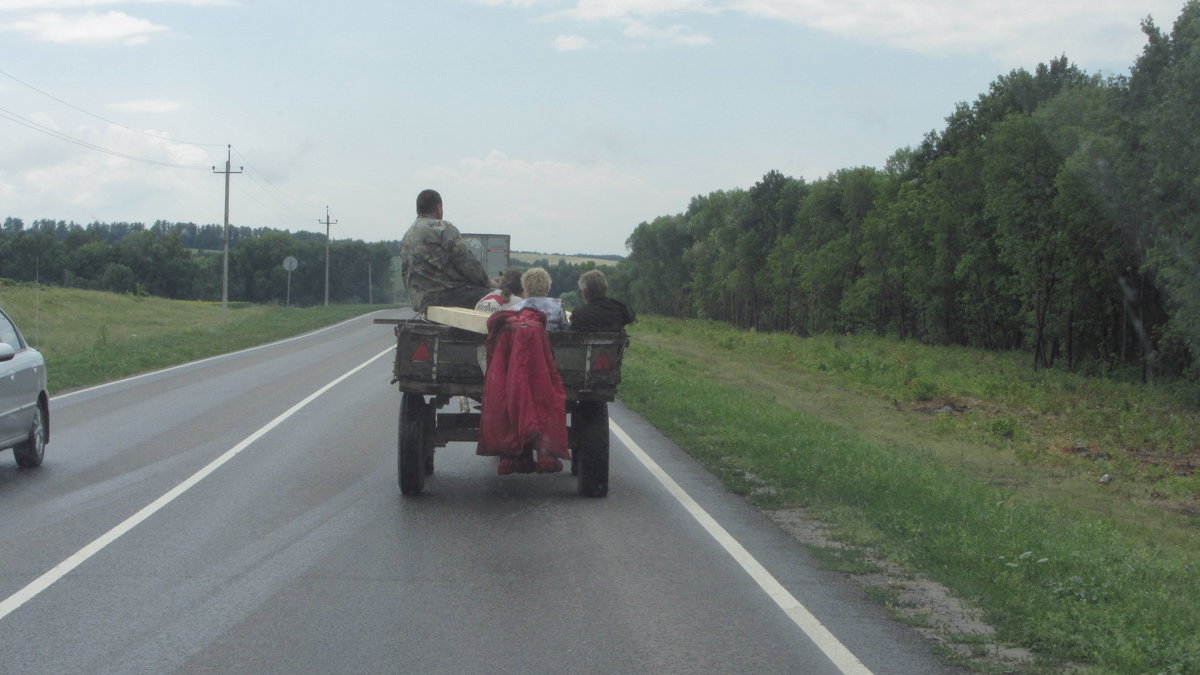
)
(466, 319)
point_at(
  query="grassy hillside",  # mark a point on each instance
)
(1064, 507)
(89, 337)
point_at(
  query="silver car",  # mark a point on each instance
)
(24, 402)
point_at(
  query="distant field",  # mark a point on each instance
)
(530, 258)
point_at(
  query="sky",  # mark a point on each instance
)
(563, 123)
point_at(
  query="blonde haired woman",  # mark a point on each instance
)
(536, 283)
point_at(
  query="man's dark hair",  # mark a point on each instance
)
(427, 202)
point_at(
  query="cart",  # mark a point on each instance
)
(436, 362)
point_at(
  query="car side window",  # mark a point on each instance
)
(8, 333)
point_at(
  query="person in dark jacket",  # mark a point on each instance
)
(599, 313)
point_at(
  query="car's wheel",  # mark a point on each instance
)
(29, 452)
(590, 422)
(411, 444)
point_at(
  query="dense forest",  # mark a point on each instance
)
(1059, 213)
(184, 261)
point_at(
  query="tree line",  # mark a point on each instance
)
(1059, 213)
(184, 261)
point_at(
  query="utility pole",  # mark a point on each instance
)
(327, 224)
(225, 265)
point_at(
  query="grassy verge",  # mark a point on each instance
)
(89, 337)
(962, 465)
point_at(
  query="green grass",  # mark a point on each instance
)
(89, 337)
(981, 500)
(838, 559)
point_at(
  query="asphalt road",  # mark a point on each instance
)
(241, 515)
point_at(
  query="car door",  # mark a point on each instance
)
(17, 384)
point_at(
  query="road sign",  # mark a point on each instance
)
(289, 264)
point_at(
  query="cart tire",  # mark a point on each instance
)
(590, 421)
(430, 431)
(571, 406)
(410, 455)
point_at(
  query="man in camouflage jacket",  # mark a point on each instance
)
(435, 263)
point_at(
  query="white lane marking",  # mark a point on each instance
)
(59, 397)
(814, 629)
(79, 557)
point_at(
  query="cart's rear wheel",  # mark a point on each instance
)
(590, 423)
(412, 444)
(430, 417)
(575, 452)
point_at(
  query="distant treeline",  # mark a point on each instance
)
(1059, 214)
(184, 261)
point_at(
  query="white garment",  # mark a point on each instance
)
(494, 302)
(556, 316)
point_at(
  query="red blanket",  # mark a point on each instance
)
(524, 406)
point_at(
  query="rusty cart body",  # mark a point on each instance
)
(435, 363)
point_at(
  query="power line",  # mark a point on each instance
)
(12, 116)
(294, 215)
(283, 192)
(265, 184)
(104, 119)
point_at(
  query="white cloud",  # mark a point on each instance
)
(635, 16)
(10, 5)
(1007, 30)
(544, 205)
(89, 28)
(65, 181)
(571, 43)
(1011, 31)
(675, 34)
(498, 169)
(596, 10)
(520, 4)
(147, 105)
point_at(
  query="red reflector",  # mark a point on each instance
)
(602, 363)
(421, 353)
